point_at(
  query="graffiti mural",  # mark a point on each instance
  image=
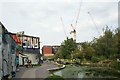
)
(1, 51)
(5, 59)
(0, 35)
(7, 52)
(30, 42)
(29, 46)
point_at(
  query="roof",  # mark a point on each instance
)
(24, 35)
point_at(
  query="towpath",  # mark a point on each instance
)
(35, 72)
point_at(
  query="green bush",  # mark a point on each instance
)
(102, 58)
(115, 65)
(95, 59)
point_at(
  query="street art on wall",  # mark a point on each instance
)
(5, 59)
(30, 42)
(17, 39)
(27, 42)
(7, 52)
(0, 29)
(1, 51)
(0, 34)
(28, 46)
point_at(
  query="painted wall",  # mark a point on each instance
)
(32, 56)
(30, 45)
(31, 48)
(0, 51)
(16, 38)
(6, 56)
(30, 42)
(8, 52)
(27, 42)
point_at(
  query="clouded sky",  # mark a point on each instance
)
(41, 18)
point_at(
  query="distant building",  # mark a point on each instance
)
(49, 50)
(55, 49)
(30, 48)
(79, 46)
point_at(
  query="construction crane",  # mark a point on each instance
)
(73, 32)
(94, 22)
(74, 27)
(63, 26)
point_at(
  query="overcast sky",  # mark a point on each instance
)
(41, 18)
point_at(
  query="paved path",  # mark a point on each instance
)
(42, 72)
(35, 72)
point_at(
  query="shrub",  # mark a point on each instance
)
(102, 58)
(95, 59)
(115, 65)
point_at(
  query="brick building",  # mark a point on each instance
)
(49, 50)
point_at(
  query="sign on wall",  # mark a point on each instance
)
(30, 42)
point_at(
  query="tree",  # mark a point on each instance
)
(107, 45)
(116, 44)
(78, 54)
(88, 51)
(67, 48)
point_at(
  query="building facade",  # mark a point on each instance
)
(30, 48)
(8, 52)
(49, 50)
